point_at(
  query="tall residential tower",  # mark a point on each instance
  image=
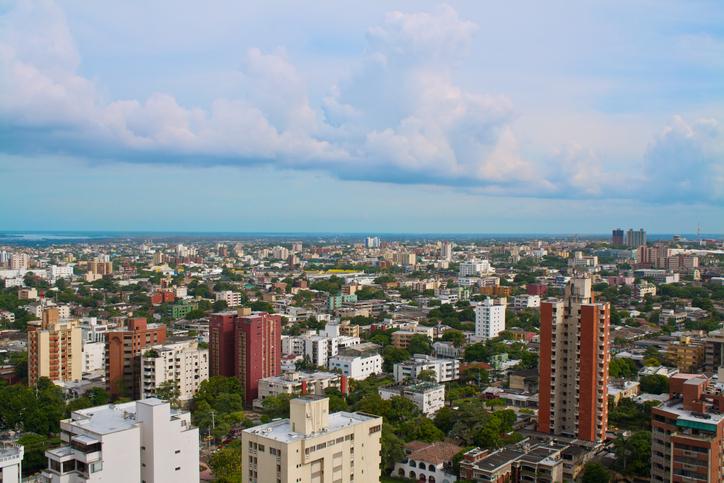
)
(573, 368)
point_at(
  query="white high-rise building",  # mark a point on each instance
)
(313, 446)
(280, 253)
(489, 319)
(143, 441)
(181, 362)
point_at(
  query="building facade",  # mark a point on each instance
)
(55, 348)
(144, 441)
(313, 446)
(123, 355)
(688, 433)
(573, 367)
(181, 363)
(489, 319)
(247, 346)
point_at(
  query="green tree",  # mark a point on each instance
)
(392, 448)
(455, 336)
(654, 384)
(633, 454)
(35, 446)
(595, 473)
(392, 355)
(420, 344)
(226, 463)
(622, 368)
(420, 428)
(276, 406)
(428, 375)
(169, 391)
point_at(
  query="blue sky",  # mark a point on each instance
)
(380, 116)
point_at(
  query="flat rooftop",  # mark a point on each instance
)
(282, 430)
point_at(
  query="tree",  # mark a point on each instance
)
(428, 375)
(654, 384)
(169, 391)
(419, 344)
(276, 406)
(595, 473)
(454, 336)
(633, 455)
(392, 355)
(219, 305)
(35, 446)
(420, 428)
(622, 368)
(392, 448)
(226, 463)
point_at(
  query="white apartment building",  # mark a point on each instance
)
(445, 369)
(641, 290)
(232, 299)
(11, 462)
(473, 268)
(93, 330)
(526, 301)
(297, 383)
(144, 441)
(358, 362)
(280, 253)
(489, 319)
(94, 356)
(446, 251)
(181, 362)
(427, 396)
(60, 271)
(313, 446)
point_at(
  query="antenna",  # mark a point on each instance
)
(698, 232)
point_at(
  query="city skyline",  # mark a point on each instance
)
(430, 117)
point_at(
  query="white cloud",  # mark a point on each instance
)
(400, 117)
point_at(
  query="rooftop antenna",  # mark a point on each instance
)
(698, 232)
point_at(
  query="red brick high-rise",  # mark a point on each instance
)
(246, 346)
(573, 366)
(124, 349)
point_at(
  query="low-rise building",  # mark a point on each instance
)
(526, 301)
(522, 462)
(429, 397)
(358, 362)
(301, 383)
(427, 462)
(687, 354)
(143, 441)
(313, 446)
(445, 369)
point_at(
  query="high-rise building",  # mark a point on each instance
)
(446, 251)
(474, 268)
(635, 238)
(573, 366)
(124, 349)
(372, 242)
(687, 434)
(20, 261)
(489, 319)
(246, 346)
(55, 348)
(313, 446)
(714, 354)
(617, 237)
(181, 363)
(144, 441)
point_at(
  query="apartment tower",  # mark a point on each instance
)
(55, 348)
(687, 432)
(124, 349)
(573, 367)
(247, 346)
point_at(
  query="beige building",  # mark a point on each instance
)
(313, 446)
(181, 363)
(687, 353)
(55, 348)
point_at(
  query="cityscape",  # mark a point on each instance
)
(370, 359)
(374, 242)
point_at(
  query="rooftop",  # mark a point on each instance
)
(435, 453)
(282, 430)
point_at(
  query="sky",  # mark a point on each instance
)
(376, 116)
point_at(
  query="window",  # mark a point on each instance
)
(177, 451)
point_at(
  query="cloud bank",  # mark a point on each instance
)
(399, 117)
